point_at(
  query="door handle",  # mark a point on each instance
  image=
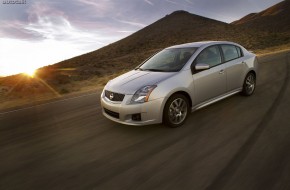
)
(221, 71)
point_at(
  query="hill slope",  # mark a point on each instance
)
(274, 19)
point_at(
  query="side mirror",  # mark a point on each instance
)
(201, 66)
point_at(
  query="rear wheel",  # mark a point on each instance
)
(249, 84)
(176, 110)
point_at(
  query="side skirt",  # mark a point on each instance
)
(211, 101)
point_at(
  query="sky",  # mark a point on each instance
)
(35, 33)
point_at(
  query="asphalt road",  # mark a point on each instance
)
(238, 143)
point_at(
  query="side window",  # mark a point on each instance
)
(210, 56)
(230, 52)
(240, 52)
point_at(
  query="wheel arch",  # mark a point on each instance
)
(245, 75)
(252, 71)
(186, 94)
(243, 92)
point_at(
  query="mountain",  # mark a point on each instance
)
(175, 28)
(273, 19)
(182, 27)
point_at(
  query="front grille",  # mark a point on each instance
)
(114, 96)
(111, 113)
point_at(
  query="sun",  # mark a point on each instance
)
(30, 72)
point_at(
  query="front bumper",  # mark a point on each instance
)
(121, 112)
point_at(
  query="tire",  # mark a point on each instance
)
(249, 85)
(176, 110)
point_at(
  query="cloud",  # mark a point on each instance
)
(57, 27)
(15, 29)
(53, 31)
(41, 9)
(99, 7)
(190, 2)
(149, 2)
(126, 31)
(140, 25)
(173, 2)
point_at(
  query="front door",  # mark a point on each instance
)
(212, 82)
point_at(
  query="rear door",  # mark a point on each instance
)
(212, 82)
(234, 66)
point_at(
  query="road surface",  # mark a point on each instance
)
(238, 143)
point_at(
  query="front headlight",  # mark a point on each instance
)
(103, 91)
(142, 95)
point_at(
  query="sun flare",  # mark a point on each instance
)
(30, 72)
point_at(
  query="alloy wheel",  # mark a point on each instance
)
(250, 84)
(177, 111)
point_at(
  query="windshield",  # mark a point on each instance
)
(168, 60)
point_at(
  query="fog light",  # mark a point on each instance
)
(136, 117)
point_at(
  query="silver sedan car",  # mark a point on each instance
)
(178, 80)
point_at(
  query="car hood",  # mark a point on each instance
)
(132, 81)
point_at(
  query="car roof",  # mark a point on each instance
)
(200, 44)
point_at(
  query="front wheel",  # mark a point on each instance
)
(176, 110)
(249, 84)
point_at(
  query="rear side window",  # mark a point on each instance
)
(240, 52)
(210, 56)
(230, 52)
